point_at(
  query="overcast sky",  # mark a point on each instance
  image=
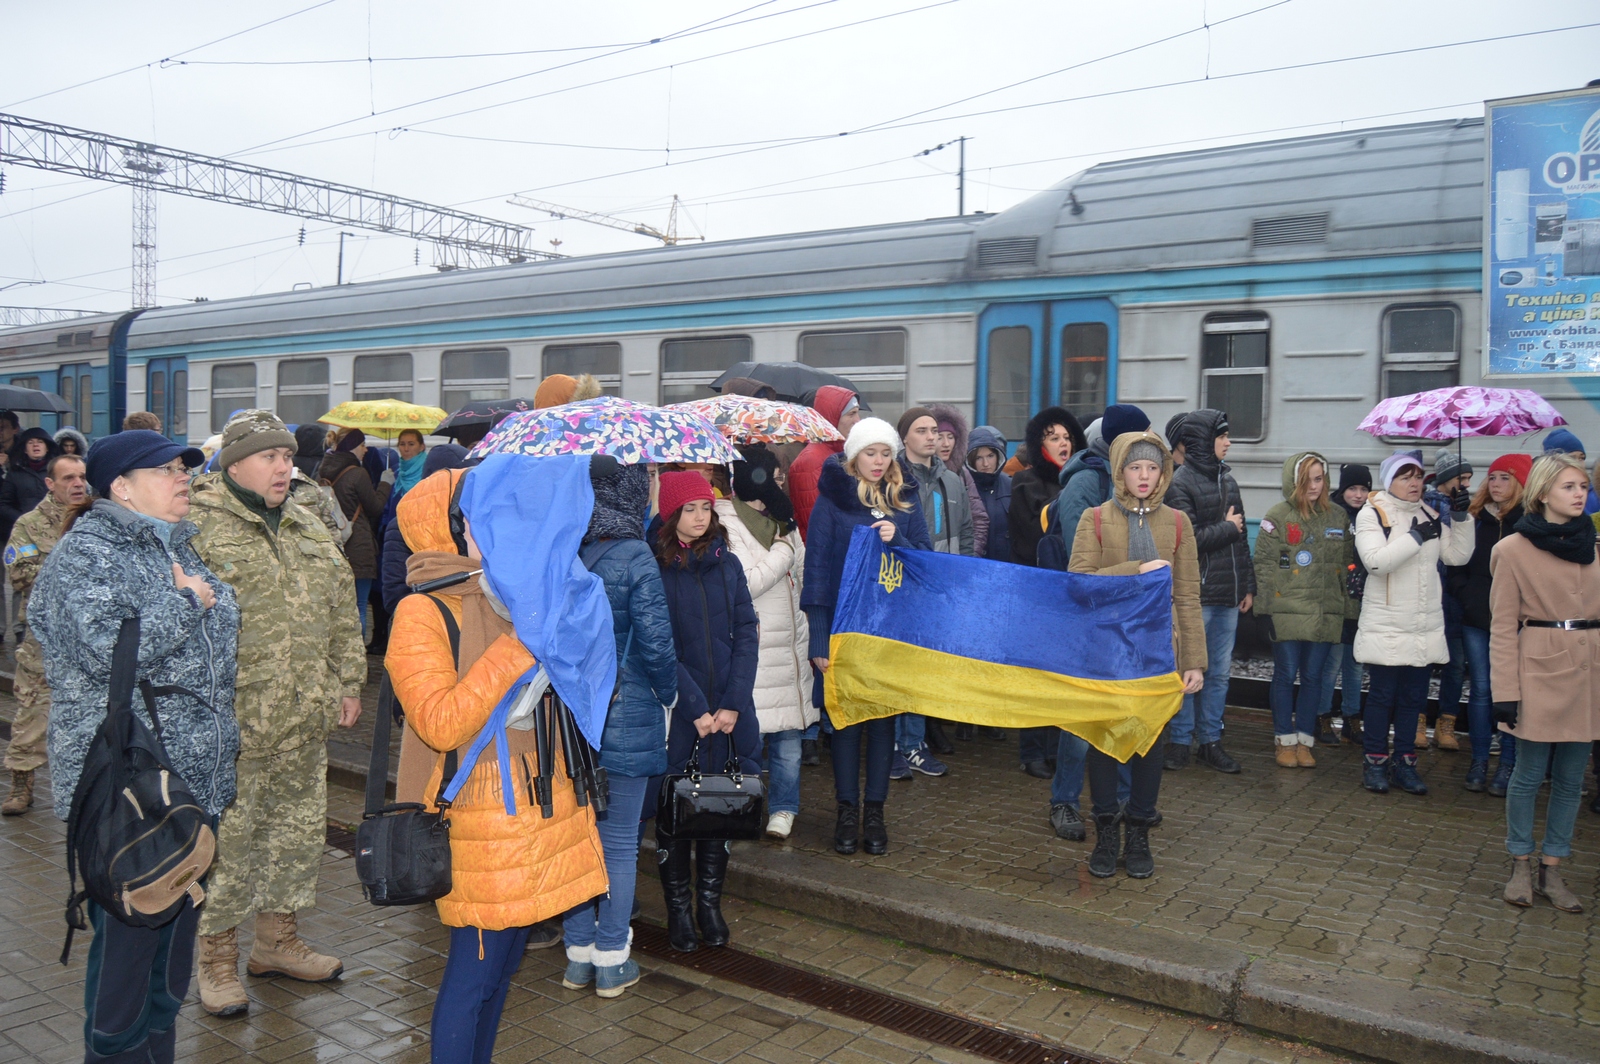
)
(737, 108)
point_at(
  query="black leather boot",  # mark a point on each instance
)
(710, 871)
(1136, 850)
(847, 831)
(1107, 844)
(677, 887)
(875, 835)
(937, 739)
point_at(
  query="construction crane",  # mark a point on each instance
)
(461, 239)
(669, 236)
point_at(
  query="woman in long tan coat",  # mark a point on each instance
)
(1544, 654)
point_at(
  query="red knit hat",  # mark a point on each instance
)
(1518, 465)
(680, 488)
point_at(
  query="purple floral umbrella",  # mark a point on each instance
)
(1451, 413)
(632, 433)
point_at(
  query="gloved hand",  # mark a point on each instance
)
(1504, 713)
(1422, 531)
(1460, 500)
(387, 477)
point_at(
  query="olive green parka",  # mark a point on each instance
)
(1302, 564)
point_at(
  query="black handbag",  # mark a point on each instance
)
(714, 806)
(402, 850)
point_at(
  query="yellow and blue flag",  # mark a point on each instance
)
(1007, 646)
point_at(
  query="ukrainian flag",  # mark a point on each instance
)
(1008, 646)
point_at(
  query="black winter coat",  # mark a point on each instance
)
(1204, 489)
(1469, 583)
(361, 503)
(714, 626)
(22, 490)
(1037, 486)
(995, 491)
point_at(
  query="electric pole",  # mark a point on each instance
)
(339, 276)
(961, 169)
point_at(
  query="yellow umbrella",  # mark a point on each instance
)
(384, 417)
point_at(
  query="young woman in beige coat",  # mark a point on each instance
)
(1544, 655)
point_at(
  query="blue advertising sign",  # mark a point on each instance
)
(1542, 235)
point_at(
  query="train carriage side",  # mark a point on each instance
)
(80, 359)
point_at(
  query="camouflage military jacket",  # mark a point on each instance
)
(33, 537)
(306, 492)
(300, 646)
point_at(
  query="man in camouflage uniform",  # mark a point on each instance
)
(32, 538)
(301, 668)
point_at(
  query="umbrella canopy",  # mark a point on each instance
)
(484, 414)
(384, 417)
(794, 382)
(630, 432)
(1450, 413)
(32, 399)
(745, 419)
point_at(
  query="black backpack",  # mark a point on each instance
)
(135, 833)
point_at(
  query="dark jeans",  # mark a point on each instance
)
(847, 760)
(1396, 694)
(1145, 786)
(1453, 677)
(1036, 744)
(134, 984)
(1480, 726)
(466, 1014)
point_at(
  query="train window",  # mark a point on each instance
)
(180, 403)
(383, 377)
(233, 387)
(1084, 347)
(687, 366)
(602, 360)
(77, 388)
(473, 374)
(1010, 370)
(1233, 371)
(874, 361)
(302, 390)
(1421, 348)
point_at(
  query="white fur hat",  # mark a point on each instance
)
(867, 431)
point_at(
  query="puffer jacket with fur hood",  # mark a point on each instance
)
(783, 678)
(1036, 487)
(1402, 609)
(944, 413)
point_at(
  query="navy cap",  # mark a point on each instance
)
(111, 456)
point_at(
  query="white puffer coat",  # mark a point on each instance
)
(1402, 611)
(783, 677)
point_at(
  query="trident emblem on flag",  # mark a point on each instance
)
(891, 573)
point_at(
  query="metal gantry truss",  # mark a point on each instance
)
(668, 236)
(463, 239)
(10, 316)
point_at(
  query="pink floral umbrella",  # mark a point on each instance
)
(1451, 413)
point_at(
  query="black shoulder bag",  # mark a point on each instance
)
(402, 850)
(698, 805)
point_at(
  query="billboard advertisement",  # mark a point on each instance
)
(1541, 282)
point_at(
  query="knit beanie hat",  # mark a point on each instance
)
(1122, 418)
(250, 431)
(351, 439)
(680, 488)
(1353, 474)
(1174, 427)
(909, 418)
(1518, 465)
(872, 430)
(1396, 462)
(1563, 440)
(1144, 450)
(1447, 465)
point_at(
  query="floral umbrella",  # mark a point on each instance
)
(630, 432)
(1451, 413)
(746, 419)
(384, 417)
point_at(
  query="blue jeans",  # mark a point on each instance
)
(1072, 755)
(466, 1014)
(363, 590)
(1567, 762)
(1480, 726)
(1453, 676)
(1343, 667)
(783, 770)
(1296, 715)
(1222, 623)
(135, 981)
(847, 743)
(603, 922)
(1397, 695)
(910, 730)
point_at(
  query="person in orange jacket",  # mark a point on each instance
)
(508, 872)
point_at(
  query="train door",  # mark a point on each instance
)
(167, 395)
(76, 386)
(1083, 365)
(1033, 355)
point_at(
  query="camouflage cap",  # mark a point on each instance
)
(250, 431)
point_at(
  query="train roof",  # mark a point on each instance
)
(89, 330)
(1386, 190)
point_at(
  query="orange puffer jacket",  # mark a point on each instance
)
(507, 871)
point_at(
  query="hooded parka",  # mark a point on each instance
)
(994, 492)
(361, 503)
(830, 401)
(1204, 488)
(1036, 487)
(945, 414)
(783, 677)
(1402, 609)
(1303, 563)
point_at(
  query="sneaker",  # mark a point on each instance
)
(1214, 755)
(545, 935)
(610, 980)
(1403, 772)
(921, 760)
(1477, 776)
(1176, 757)
(1501, 779)
(808, 752)
(1067, 823)
(779, 825)
(899, 768)
(1375, 776)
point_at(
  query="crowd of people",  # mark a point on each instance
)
(267, 568)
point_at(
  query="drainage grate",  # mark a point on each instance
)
(341, 837)
(858, 1003)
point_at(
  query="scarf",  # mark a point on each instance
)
(762, 528)
(1141, 540)
(1571, 542)
(409, 472)
(255, 503)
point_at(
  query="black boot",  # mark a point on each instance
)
(808, 752)
(846, 833)
(875, 835)
(677, 886)
(937, 739)
(710, 871)
(964, 731)
(1136, 853)
(1352, 730)
(1107, 841)
(1325, 733)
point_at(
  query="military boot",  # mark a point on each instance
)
(21, 799)
(280, 951)
(221, 993)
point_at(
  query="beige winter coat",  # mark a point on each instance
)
(1402, 611)
(1553, 673)
(783, 676)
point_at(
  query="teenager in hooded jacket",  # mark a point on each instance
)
(953, 440)
(986, 454)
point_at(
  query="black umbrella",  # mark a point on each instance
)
(795, 382)
(484, 414)
(32, 399)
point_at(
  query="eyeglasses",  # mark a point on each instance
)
(174, 468)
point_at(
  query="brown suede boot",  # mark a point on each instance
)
(1444, 733)
(1519, 889)
(21, 799)
(1422, 733)
(221, 993)
(279, 951)
(1547, 884)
